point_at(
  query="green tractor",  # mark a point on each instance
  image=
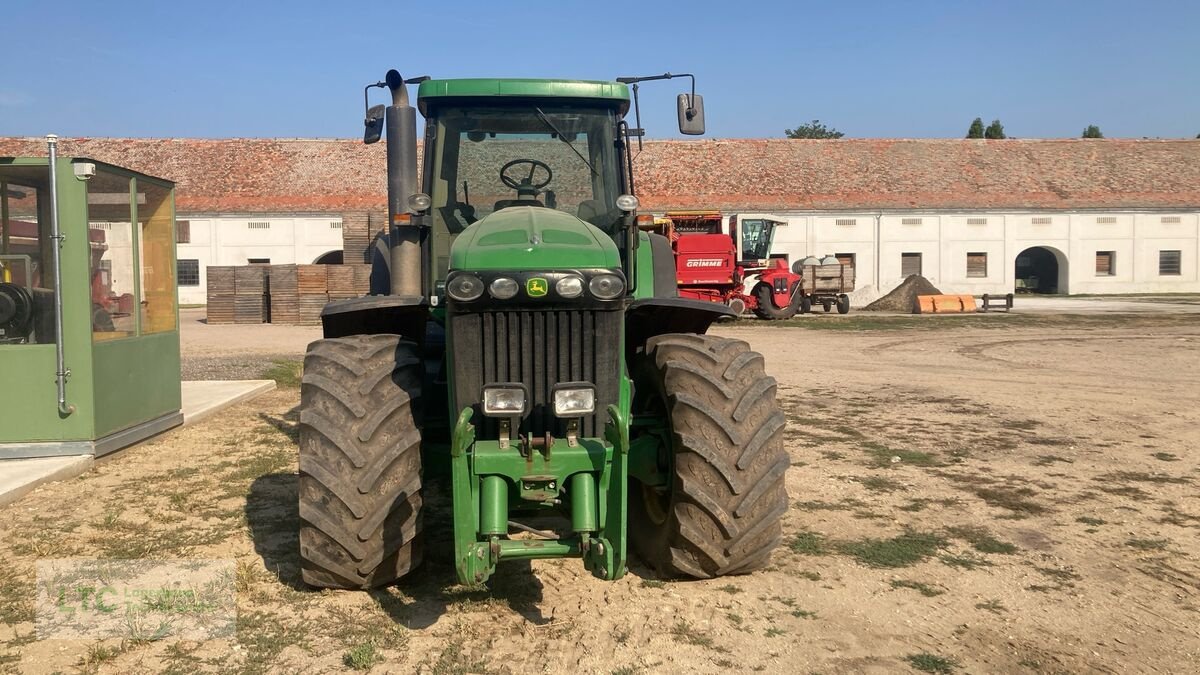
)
(525, 341)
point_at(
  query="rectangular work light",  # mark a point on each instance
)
(506, 399)
(574, 399)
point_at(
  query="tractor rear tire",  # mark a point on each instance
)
(766, 308)
(360, 461)
(721, 513)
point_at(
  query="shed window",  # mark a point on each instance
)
(977, 265)
(1106, 220)
(977, 221)
(1042, 220)
(335, 225)
(258, 261)
(183, 232)
(1171, 220)
(1105, 263)
(1168, 263)
(188, 272)
(259, 225)
(846, 221)
(910, 221)
(910, 264)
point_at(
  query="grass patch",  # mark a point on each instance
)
(1148, 544)
(1014, 499)
(653, 583)
(803, 614)
(931, 663)
(882, 456)
(1143, 477)
(684, 632)
(881, 484)
(922, 588)
(904, 550)
(1088, 520)
(286, 374)
(730, 589)
(981, 540)
(1165, 457)
(807, 543)
(775, 632)
(1047, 460)
(992, 606)
(362, 657)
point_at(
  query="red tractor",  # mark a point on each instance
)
(712, 265)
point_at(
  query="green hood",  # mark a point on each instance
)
(533, 238)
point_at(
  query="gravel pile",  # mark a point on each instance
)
(234, 367)
(902, 297)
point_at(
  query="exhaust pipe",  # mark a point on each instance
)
(405, 237)
(62, 373)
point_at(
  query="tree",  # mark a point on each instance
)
(813, 129)
(994, 131)
(1092, 131)
(976, 130)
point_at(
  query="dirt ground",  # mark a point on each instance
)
(978, 495)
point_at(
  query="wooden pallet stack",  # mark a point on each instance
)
(221, 292)
(250, 294)
(285, 294)
(341, 282)
(312, 282)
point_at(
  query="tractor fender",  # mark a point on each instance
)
(376, 315)
(663, 261)
(649, 317)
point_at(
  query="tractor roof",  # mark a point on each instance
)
(612, 92)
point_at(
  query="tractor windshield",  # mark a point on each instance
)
(489, 158)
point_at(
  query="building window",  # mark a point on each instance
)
(910, 264)
(977, 221)
(1170, 220)
(335, 225)
(183, 232)
(258, 261)
(1105, 263)
(846, 259)
(848, 222)
(188, 272)
(1106, 220)
(1168, 263)
(976, 265)
(910, 221)
(1042, 220)
(258, 225)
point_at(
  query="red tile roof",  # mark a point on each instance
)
(336, 175)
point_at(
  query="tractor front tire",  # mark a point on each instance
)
(360, 461)
(766, 308)
(726, 462)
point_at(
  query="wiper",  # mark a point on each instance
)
(561, 137)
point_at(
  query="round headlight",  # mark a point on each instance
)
(465, 287)
(569, 287)
(606, 286)
(503, 288)
(419, 202)
(627, 203)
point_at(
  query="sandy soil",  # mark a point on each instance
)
(1016, 498)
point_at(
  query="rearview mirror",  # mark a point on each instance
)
(691, 118)
(373, 124)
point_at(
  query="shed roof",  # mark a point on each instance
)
(276, 175)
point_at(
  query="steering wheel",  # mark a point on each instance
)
(526, 186)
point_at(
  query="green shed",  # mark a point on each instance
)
(89, 320)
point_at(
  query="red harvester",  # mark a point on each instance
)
(712, 265)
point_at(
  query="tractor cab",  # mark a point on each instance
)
(754, 233)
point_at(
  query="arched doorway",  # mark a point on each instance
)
(331, 258)
(1041, 269)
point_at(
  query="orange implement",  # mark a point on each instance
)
(944, 304)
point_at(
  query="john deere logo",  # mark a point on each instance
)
(537, 287)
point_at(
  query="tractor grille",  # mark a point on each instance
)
(539, 349)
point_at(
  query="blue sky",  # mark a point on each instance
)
(870, 69)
